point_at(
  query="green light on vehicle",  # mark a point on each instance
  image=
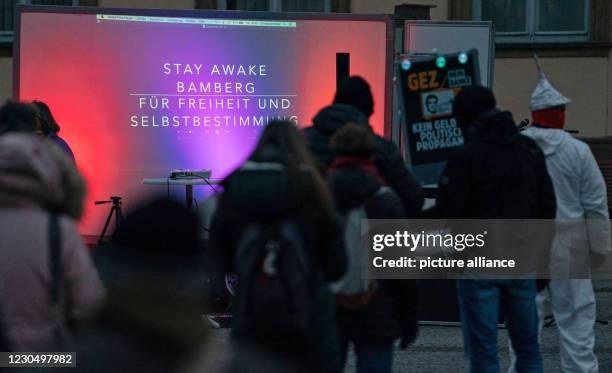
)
(441, 62)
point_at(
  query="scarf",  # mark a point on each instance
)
(549, 118)
(363, 164)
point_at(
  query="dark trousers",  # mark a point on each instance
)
(373, 355)
(479, 302)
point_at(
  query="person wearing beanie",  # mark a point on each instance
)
(355, 91)
(471, 103)
(581, 198)
(498, 174)
(354, 103)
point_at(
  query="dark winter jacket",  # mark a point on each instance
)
(498, 174)
(386, 155)
(54, 137)
(392, 311)
(271, 196)
(146, 326)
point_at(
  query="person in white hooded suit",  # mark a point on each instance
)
(583, 229)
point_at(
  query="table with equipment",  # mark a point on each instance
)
(187, 182)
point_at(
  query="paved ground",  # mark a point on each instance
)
(440, 349)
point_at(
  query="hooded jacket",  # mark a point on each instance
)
(498, 174)
(386, 155)
(392, 311)
(581, 197)
(262, 191)
(35, 179)
(579, 185)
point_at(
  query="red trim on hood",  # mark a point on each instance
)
(363, 164)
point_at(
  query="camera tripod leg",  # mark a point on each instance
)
(118, 216)
(108, 219)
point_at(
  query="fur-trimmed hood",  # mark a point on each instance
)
(35, 172)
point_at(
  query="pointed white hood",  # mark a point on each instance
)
(544, 95)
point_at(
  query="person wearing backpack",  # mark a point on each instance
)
(498, 174)
(372, 314)
(48, 281)
(276, 228)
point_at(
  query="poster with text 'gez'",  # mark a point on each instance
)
(429, 86)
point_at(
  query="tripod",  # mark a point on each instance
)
(116, 209)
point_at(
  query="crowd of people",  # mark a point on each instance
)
(285, 224)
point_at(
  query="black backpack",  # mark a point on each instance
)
(274, 294)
